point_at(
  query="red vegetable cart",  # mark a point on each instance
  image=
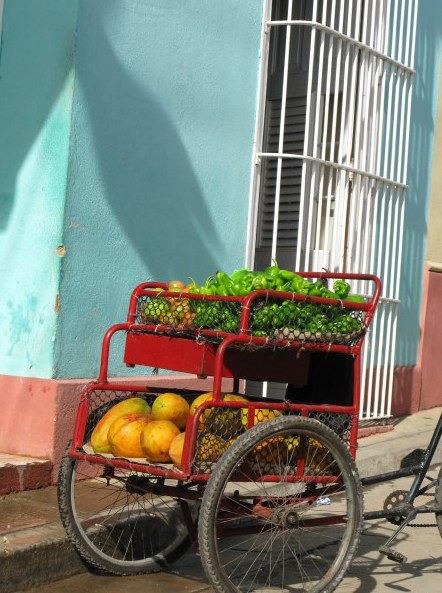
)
(267, 489)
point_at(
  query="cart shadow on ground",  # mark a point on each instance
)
(422, 546)
(372, 571)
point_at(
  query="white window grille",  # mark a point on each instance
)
(329, 184)
(1, 18)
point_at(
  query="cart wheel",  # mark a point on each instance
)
(438, 497)
(282, 511)
(115, 523)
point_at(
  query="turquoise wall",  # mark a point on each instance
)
(161, 156)
(155, 181)
(423, 122)
(36, 89)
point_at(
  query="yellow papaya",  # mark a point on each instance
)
(156, 438)
(132, 405)
(125, 433)
(176, 449)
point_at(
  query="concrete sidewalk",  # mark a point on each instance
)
(34, 549)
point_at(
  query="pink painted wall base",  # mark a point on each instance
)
(38, 415)
(430, 357)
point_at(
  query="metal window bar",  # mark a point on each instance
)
(354, 159)
(1, 18)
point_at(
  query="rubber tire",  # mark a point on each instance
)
(210, 544)
(438, 499)
(93, 555)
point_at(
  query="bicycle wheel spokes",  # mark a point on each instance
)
(122, 521)
(287, 510)
(117, 521)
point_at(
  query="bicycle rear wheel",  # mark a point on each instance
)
(118, 520)
(282, 511)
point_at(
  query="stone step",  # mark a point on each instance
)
(18, 473)
(34, 549)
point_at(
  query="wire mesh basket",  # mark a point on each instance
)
(217, 426)
(273, 317)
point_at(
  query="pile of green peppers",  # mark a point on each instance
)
(217, 315)
(301, 316)
(267, 314)
(242, 282)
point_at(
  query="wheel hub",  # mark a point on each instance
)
(287, 518)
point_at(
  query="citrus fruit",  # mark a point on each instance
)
(171, 406)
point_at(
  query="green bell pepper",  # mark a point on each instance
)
(354, 298)
(259, 282)
(224, 285)
(341, 288)
(238, 275)
(316, 288)
(272, 274)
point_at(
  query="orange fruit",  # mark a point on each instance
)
(210, 447)
(124, 435)
(269, 456)
(204, 397)
(226, 421)
(175, 285)
(223, 421)
(176, 448)
(231, 397)
(171, 406)
(156, 438)
(131, 405)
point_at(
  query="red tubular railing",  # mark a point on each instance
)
(224, 342)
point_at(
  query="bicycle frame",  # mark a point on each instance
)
(407, 509)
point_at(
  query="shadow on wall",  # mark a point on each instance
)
(147, 177)
(428, 37)
(33, 75)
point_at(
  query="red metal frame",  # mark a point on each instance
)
(154, 344)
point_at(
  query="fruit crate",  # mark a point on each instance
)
(277, 316)
(279, 350)
(195, 329)
(209, 431)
